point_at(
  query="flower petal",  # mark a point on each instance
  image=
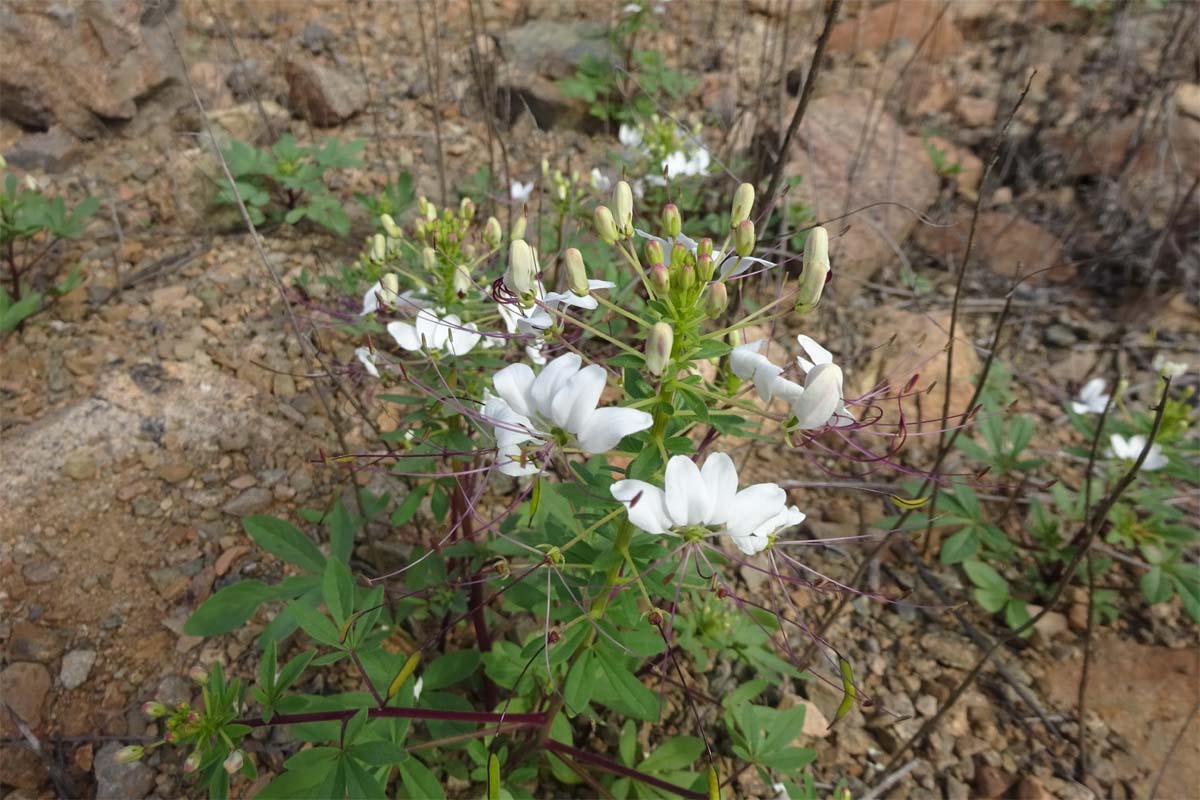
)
(606, 427)
(721, 481)
(576, 401)
(431, 330)
(753, 506)
(688, 499)
(463, 338)
(551, 379)
(405, 335)
(512, 383)
(821, 399)
(370, 302)
(742, 360)
(367, 359)
(645, 503)
(818, 354)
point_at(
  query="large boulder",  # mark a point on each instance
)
(324, 95)
(82, 65)
(534, 57)
(851, 155)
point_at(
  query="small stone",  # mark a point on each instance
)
(80, 465)
(316, 38)
(927, 705)
(168, 298)
(249, 502)
(854, 741)
(991, 782)
(234, 440)
(949, 649)
(175, 471)
(29, 642)
(173, 690)
(1058, 335)
(242, 482)
(24, 686)
(1030, 788)
(1052, 624)
(1077, 617)
(956, 789)
(121, 781)
(976, 112)
(41, 572)
(76, 666)
(50, 151)
(144, 506)
(323, 95)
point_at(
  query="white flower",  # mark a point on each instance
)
(1169, 369)
(367, 359)
(629, 136)
(823, 378)
(1129, 449)
(819, 402)
(434, 334)
(556, 405)
(708, 498)
(728, 264)
(538, 317)
(600, 181)
(520, 192)
(680, 164)
(417, 687)
(1092, 399)
(408, 299)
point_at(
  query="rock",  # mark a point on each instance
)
(255, 123)
(896, 21)
(82, 66)
(956, 789)
(1006, 243)
(917, 349)
(22, 768)
(1187, 99)
(39, 572)
(927, 705)
(120, 781)
(80, 465)
(29, 642)
(24, 686)
(50, 151)
(975, 112)
(854, 740)
(1030, 788)
(316, 38)
(76, 665)
(209, 80)
(991, 782)
(249, 502)
(174, 690)
(537, 54)
(1078, 617)
(1058, 335)
(949, 649)
(892, 166)
(175, 471)
(325, 96)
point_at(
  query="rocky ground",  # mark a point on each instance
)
(149, 410)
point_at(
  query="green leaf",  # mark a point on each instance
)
(378, 753)
(744, 693)
(1016, 613)
(419, 782)
(627, 743)
(405, 511)
(450, 669)
(315, 624)
(282, 539)
(341, 532)
(992, 600)
(337, 589)
(577, 691)
(960, 546)
(631, 695)
(679, 752)
(227, 609)
(984, 576)
(1156, 586)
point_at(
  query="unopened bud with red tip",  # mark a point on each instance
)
(130, 754)
(493, 234)
(390, 227)
(577, 280)
(606, 226)
(705, 268)
(198, 674)
(672, 222)
(654, 252)
(679, 255)
(623, 208)
(154, 709)
(192, 763)
(743, 238)
(743, 204)
(816, 270)
(233, 762)
(522, 269)
(704, 247)
(660, 278)
(716, 300)
(466, 209)
(659, 342)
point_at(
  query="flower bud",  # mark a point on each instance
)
(198, 674)
(685, 276)
(492, 233)
(130, 754)
(704, 247)
(816, 270)
(659, 342)
(378, 247)
(462, 280)
(623, 208)
(743, 204)
(716, 300)
(154, 709)
(660, 278)
(389, 286)
(466, 209)
(518, 228)
(192, 763)
(577, 280)
(522, 269)
(735, 338)
(233, 762)
(743, 238)
(606, 226)
(390, 227)
(671, 221)
(429, 259)
(679, 255)
(422, 206)
(705, 268)
(431, 212)
(419, 226)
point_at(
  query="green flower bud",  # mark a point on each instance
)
(577, 280)
(233, 762)
(735, 338)
(154, 709)
(522, 269)
(671, 221)
(130, 754)
(623, 208)
(659, 342)
(704, 247)
(390, 284)
(606, 226)
(743, 238)
(378, 248)
(685, 276)
(466, 209)
(716, 300)
(743, 204)
(660, 278)
(816, 270)
(431, 212)
(422, 206)
(429, 259)
(192, 763)
(654, 252)
(518, 228)
(492, 233)
(705, 268)
(390, 227)
(198, 674)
